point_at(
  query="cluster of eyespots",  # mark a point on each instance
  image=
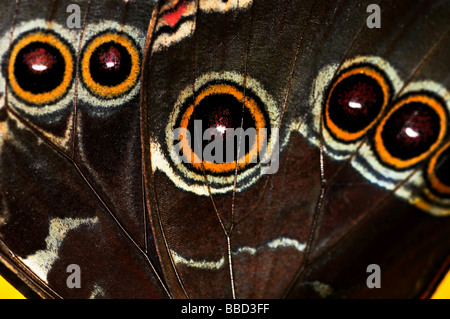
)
(393, 133)
(229, 123)
(40, 66)
(407, 130)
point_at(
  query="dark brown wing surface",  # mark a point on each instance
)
(350, 168)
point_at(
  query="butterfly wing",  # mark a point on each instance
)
(285, 234)
(93, 178)
(71, 174)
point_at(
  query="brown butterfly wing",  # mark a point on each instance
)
(338, 218)
(72, 186)
(96, 185)
(354, 210)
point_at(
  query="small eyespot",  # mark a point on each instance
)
(411, 131)
(355, 102)
(438, 172)
(224, 106)
(110, 65)
(40, 67)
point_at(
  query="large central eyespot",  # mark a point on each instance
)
(223, 130)
(110, 65)
(411, 131)
(40, 67)
(355, 102)
(236, 118)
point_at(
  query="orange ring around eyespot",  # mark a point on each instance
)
(119, 89)
(397, 162)
(60, 90)
(254, 111)
(435, 183)
(377, 76)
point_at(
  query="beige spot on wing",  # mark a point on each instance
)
(42, 261)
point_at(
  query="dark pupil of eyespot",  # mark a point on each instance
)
(39, 68)
(442, 168)
(411, 130)
(219, 112)
(110, 64)
(355, 102)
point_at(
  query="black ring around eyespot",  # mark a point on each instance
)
(222, 97)
(412, 130)
(40, 68)
(355, 101)
(110, 64)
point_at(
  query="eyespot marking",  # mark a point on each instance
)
(110, 65)
(222, 106)
(355, 102)
(413, 129)
(212, 89)
(40, 67)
